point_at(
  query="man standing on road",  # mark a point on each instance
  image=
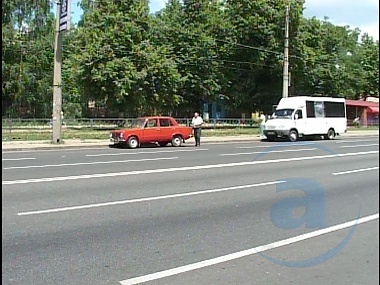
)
(262, 123)
(197, 125)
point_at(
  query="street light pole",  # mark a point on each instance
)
(57, 84)
(285, 82)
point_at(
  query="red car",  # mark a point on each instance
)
(146, 130)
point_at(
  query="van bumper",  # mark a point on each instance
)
(276, 133)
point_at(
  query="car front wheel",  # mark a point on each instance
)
(177, 141)
(133, 142)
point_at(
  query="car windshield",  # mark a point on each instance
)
(282, 114)
(137, 123)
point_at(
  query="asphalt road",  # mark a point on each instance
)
(227, 213)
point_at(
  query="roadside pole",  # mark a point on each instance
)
(62, 24)
(285, 82)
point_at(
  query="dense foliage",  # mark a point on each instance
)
(131, 62)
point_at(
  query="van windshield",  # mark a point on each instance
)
(282, 114)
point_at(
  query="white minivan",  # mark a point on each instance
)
(301, 116)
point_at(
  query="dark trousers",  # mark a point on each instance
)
(197, 136)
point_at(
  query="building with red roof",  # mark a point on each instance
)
(367, 111)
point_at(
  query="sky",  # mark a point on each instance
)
(362, 14)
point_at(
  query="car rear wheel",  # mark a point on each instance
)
(133, 142)
(177, 141)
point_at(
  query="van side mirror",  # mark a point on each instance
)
(296, 116)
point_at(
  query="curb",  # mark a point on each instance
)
(85, 145)
(206, 140)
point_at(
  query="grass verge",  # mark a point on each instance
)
(35, 135)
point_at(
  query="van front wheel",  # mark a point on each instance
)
(293, 135)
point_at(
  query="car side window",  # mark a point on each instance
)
(152, 123)
(165, 123)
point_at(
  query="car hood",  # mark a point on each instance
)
(126, 130)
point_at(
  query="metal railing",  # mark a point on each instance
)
(13, 128)
(107, 123)
(20, 129)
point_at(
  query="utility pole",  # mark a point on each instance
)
(62, 24)
(286, 81)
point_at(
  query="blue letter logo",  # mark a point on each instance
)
(313, 202)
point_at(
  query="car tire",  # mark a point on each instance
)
(177, 141)
(133, 142)
(293, 135)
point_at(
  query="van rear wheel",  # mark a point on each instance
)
(330, 134)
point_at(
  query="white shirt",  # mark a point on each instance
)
(197, 122)
(262, 119)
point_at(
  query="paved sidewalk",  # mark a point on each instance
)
(31, 145)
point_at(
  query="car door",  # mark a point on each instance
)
(151, 131)
(166, 129)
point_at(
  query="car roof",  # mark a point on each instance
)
(156, 117)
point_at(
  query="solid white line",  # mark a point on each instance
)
(139, 200)
(276, 145)
(145, 152)
(240, 254)
(358, 145)
(15, 159)
(355, 170)
(185, 168)
(88, 163)
(68, 149)
(353, 141)
(273, 151)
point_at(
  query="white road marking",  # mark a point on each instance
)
(244, 253)
(68, 149)
(148, 199)
(88, 163)
(353, 141)
(358, 145)
(54, 149)
(265, 152)
(145, 152)
(355, 170)
(276, 145)
(184, 168)
(15, 159)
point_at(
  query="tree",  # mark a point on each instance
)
(258, 58)
(27, 34)
(117, 62)
(199, 34)
(369, 54)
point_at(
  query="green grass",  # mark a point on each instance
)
(34, 135)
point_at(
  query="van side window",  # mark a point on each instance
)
(310, 112)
